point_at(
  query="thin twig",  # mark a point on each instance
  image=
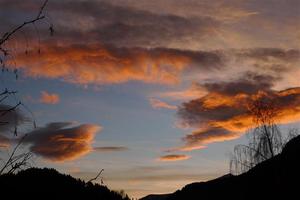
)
(4, 112)
(7, 35)
(11, 157)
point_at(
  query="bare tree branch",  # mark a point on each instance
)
(12, 161)
(7, 92)
(265, 139)
(7, 35)
(96, 177)
(4, 112)
(16, 160)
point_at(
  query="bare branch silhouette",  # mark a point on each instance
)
(96, 177)
(16, 160)
(9, 34)
(266, 139)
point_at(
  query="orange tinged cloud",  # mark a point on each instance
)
(96, 64)
(190, 93)
(223, 116)
(60, 142)
(235, 124)
(200, 138)
(173, 157)
(49, 98)
(214, 100)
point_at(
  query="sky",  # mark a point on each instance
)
(153, 92)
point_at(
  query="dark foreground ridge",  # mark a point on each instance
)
(276, 178)
(35, 183)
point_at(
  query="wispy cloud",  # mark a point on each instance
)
(158, 104)
(192, 92)
(173, 157)
(110, 149)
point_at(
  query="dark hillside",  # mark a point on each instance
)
(276, 178)
(35, 183)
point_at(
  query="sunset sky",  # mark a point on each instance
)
(155, 92)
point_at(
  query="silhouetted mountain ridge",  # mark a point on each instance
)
(35, 183)
(156, 197)
(276, 178)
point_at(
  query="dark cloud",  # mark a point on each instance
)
(250, 83)
(110, 149)
(205, 24)
(62, 141)
(98, 21)
(273, 59)
(264, 54)
(124, 26)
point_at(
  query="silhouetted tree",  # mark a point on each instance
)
(15, 160)
(266, 139)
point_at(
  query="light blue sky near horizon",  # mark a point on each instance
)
(128, 120)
